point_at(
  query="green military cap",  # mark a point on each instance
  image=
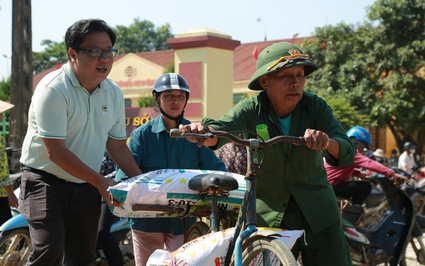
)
(280, 55)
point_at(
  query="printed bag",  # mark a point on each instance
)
(167, 190)
(211, 249)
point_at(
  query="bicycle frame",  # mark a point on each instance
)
(247, 214)
(248, 210)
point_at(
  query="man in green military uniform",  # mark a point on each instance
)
(293, 191)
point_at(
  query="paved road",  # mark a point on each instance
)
(411, 257)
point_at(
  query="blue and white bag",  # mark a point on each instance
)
(169, 188)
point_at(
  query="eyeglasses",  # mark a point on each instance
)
(97, 53)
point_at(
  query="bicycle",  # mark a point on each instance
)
(250, 246)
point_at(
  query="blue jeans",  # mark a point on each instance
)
(63, 218)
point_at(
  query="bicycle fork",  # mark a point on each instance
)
(251, 221)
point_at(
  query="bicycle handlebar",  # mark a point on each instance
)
(176, 133)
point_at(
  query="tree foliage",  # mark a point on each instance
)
(54, 53)
(146, 101)
(346, 113)
(400, 50)
(377, 66)
(141, 36)
(5, 89)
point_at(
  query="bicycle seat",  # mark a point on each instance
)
(219, 182)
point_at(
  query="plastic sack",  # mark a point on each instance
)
(168, 189)
(211, 249)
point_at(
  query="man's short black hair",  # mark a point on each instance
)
(78, 31)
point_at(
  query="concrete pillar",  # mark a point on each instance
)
(204, 58)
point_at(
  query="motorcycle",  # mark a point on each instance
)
(385, 238)
(15, 241)
(416, 192)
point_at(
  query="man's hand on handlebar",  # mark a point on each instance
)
(198, 128)
(316, 140)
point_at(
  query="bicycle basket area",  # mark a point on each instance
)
(165, 193)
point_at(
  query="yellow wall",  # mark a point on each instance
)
(390, 143)
(135, 76)
(217, 77)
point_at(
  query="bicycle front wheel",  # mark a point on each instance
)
(267, 251)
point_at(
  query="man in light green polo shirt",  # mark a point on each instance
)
(75, 113)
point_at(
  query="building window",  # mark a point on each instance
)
(239, 96)
(127, 102)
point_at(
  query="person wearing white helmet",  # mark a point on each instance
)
(406, 161)
(153, 149)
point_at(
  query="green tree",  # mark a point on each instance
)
(378, 66)
(400, 56)
(142, 36)
(170, 68)
(146, 101)
(346, 113)
(5, 96)
(53, 54)
(335, 81)
(5, 89)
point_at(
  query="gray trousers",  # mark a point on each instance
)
(62, 217)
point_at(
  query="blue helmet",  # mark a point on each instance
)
(360, 134)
